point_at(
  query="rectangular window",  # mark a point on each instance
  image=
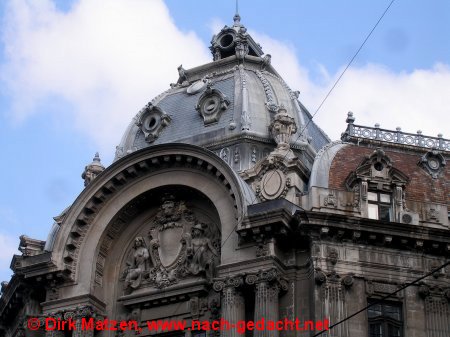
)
(385, 320)
(379, 206)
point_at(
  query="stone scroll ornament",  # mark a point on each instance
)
(179, 247)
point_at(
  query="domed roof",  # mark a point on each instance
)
(231, 100)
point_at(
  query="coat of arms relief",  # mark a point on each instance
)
(177, 246)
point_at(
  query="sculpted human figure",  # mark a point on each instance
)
(137, 265)
(201, 252)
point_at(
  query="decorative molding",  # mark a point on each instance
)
(152, 120)
(378, 288)
(433, 162)
(211, 104)
(246, 120)
(231, 281)
(271, 101)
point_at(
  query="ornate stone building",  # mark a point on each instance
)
(226, 201)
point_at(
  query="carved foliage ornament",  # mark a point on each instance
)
(152, 121)
(179, 246)
(211, 104)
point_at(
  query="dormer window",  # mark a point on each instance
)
(381, 187)
(379, 206)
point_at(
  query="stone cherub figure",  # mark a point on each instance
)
(137, 265)
(200, 252)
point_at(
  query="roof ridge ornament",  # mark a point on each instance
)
(234, 41)
(237, 17)
(92, 170)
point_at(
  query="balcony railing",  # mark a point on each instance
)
(390, 136)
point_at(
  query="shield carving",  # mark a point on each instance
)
(169, 245)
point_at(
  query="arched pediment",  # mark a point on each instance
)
(377, 168)
(176, 164)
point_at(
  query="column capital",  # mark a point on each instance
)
(227, 282)
(272, 276)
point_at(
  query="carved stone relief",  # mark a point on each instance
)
(376, 288)
(330, 200)
(272, 181)
(225, 154)
(137, 265)
(433, 162)
(432, 214)
(282, 128)
(177, 246)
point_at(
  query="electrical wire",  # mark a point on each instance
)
(323, 101)
(383, 298)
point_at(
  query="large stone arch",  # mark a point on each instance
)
(88, 223)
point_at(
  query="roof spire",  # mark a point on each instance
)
(237, 17)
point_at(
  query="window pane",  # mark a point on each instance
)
(385, 198)
(372, 196)
(393, 331)
(375, 330)
(373, 211)
(384, 213)
(374, 310)
(385, 320)
(392, 311)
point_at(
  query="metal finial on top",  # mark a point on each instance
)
(237, 17)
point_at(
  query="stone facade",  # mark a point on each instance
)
(226, 201)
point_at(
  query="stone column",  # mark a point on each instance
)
(267, 286)
(233, 304)
(266, 307)
(437, 311)
(332, 290)
(77, 315)
(56, 332)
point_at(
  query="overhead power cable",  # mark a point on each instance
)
(384, 298)
(323, 101)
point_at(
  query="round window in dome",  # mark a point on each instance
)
(226, 41)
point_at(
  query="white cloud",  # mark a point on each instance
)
(8, 247)
(413, 101)
(105, 58)
(375, 94)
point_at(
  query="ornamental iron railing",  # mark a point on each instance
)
(390, 136)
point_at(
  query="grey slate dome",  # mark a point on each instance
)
(226, 106)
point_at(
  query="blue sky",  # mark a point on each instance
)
(73, 73)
